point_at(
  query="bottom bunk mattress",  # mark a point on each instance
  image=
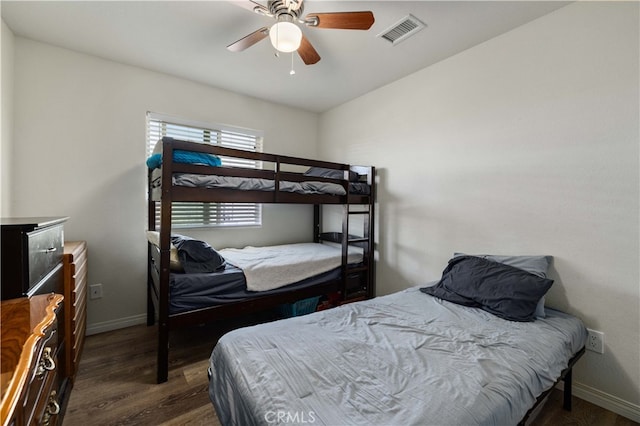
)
(194, 291)
(406, 358)
(254, 272)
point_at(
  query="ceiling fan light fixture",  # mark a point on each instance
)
(285, 36)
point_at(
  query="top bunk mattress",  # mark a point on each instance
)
(216, 175)
(192, 180)
(406, 358)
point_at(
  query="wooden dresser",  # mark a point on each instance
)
(31, 255)
(75, 307)
(29, 372)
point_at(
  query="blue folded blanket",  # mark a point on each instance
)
(187, 157)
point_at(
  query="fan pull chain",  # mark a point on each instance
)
(292, 72)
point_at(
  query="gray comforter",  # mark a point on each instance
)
(255, 184)
(403, 359)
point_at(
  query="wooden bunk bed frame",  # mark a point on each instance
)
(355, 282)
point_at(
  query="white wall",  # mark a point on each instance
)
(526, 144)
(80, 146)
(6, 77)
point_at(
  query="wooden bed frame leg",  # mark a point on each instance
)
(567, 390)
(163, 352)
(151, 312)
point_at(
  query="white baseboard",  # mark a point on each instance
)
(103, 327)
(605, 400)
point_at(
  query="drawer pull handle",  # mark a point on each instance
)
(46, 363)
(50, 249)
(53, 408)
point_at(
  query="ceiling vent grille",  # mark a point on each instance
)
(402, 30)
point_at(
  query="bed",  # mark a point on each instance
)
(197, 166)
(238, 275)
(406, 358)
(192, 180)
(183, 171)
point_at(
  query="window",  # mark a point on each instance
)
(208, 214)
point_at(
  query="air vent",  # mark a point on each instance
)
(402, 30)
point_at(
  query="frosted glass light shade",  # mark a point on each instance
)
(285, 36)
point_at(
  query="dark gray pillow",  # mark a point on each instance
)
(331, 173)
(503, 290)
(538, 265)
(197, 256)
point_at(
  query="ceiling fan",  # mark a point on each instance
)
(286, 35)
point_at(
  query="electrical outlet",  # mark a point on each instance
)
(95, 291)
(595, 341)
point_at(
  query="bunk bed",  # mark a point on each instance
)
(183, 171)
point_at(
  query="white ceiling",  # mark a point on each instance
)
(189, 39)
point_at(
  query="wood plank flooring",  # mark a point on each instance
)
(582, 413)
(116, 384)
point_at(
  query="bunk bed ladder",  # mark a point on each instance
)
(357, 281)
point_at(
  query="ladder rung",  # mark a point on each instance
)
(359, 212)
(358, 240)
(353, 269)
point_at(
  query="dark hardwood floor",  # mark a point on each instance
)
(116, 384)
(582, 413)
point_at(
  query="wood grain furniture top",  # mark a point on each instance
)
(26, 322)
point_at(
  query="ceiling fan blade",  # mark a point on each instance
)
(249, 40)
(252, 6)
(341, 20)
(307, 53)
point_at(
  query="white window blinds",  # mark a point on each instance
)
(208, 214)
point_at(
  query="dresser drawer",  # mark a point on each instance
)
(43, 401)
(42, 378)
(44, 251)
(50, 410)
(54, 282)
(29, 360)
(31, 247)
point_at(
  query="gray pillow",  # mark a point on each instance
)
(331, 173)
(538, 265)
(503, 290)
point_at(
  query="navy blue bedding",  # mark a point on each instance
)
(194, 291)
(197, 256)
